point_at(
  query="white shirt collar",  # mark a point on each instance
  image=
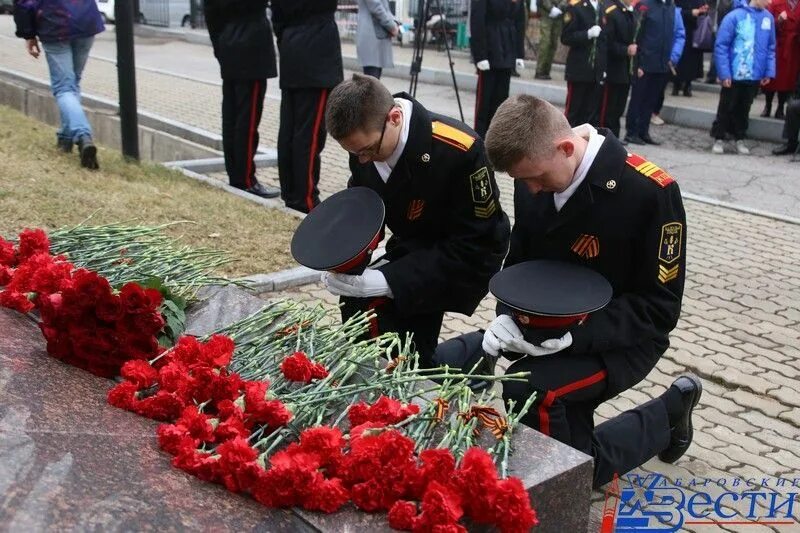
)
(385, 168)
(594, 4)
(595, 142)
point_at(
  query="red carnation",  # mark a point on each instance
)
(402, 514)
(32, 242)
(441, 506)
(140, 372)
(15, 300)
(136, 299)
(8, 257)
(297, 367)
(326, 495)
(217, 352)
(230, 428)
(513, 507)
(6, 274)
(318, 371)
(123, 395)
(199, 464)
(477, 474)
(174, 439)
(163, 406)
(327, 442)
(234, 454)
(386, 411)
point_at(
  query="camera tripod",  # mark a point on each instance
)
(420, 36)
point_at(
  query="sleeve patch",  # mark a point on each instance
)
(669, 249)
(665, 275)
(452, 136)
(651, 170)
(481, 186)
(486, 211)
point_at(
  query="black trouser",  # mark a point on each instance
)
(301, 138)
(733, 111)
(583, 102)
(242, 104)
(492, 90)
(613, 105)
(568, 390)
(425, 327)
(375, 72)
(645, 95)
(791, 125)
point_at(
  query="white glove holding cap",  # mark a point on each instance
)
(503, 334)
(370, 284)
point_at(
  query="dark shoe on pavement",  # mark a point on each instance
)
(264, 191)
(786, 149)
(767, 111)
(542, 77)
(675, 90)
(649, 140)
(65, 145)
(687, 91)
(88, 153)
(779, 114)
(634, 139)
(681, 432)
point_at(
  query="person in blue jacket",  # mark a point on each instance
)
(660, 36)
(744, 54)
(66, 30)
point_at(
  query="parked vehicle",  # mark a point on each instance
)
(168, 13)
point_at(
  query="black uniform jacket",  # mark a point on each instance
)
(242, 38)
(619, 26)
(308, 42)
(497, 32)
(450, 234)
(637, 226)
(581, 16)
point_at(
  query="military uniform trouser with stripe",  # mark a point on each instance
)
(569, 387)
(491, 91)
(301, 138)
(242, 103)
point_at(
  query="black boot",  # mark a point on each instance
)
(690, 388)
(779, 112)
(88, 153)
(786, 149)
(687, 89)
(64, 145)
(675, 89)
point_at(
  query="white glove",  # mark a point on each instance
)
(504, 334)
(370, 284)
(547, 347)
(520, 64)
(594, 32)
(483, 65)
(555, 12)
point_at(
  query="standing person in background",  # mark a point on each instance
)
(745, 56)
(720, 9)
(66, 29)
(311, 65)
(787, 26)
(242, 40)
(660, 43)
(497, 42)
(551, 23)
(791, 126)
(585, 65)
(690, 66)
(619, 28)
(376, 27)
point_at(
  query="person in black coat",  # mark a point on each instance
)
(619, 50)
(585, 62)
(574, 186)
(690, 66)
(449, 232)
(242, 39)
(497, 42)
(311, 65)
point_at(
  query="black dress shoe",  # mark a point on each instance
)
(649, 140)
(542, 77)
(65, 145)
(681, 431)
(779, 114)
(675, 90)
(687, 91)
(88, 153)
(264, 191)
(786, 149)
(634, 139)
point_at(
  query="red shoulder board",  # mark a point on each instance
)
(651, 170)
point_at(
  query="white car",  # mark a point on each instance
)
(106, 8)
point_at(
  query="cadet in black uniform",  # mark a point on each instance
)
(449, 232)
(242, 40)
(618, 30)
(580, 197)
(311, 65)
(497, 41)
(585, 61)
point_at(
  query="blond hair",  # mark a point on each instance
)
(524, 126)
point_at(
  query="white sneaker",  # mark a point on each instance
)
(656, 120)
(741, 148)
(719, 147)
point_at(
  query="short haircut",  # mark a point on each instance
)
(524, 125)
(360, 103)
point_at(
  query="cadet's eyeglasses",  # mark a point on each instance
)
(374, 150)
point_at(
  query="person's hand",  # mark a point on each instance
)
(500, 332)
(370, 284)
(394, 31)
(783, 16)
(547, 347)
(594, 32)
(555, 12)
(726, 83)
(639, 73)
(482, 65)
(765, 81)
(32, 45)
(520, 63)
(632, 49)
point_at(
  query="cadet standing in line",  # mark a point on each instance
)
(585, 61)
(551, 22)
(311, 65)
(449, 232)
(497, 42)
(620, 49)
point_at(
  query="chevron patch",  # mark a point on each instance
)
(486, 211)
(587, 246)
(415, 208)
(666, 275)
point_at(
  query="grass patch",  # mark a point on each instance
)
(42, 187)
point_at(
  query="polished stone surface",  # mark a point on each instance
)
(219, 307)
